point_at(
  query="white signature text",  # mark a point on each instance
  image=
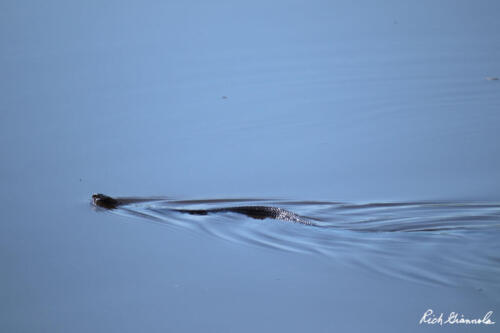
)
(453, 318)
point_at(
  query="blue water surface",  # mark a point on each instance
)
(354, 102)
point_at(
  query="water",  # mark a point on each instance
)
(324, 108)
(451, 244)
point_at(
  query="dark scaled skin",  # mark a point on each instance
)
(255, 212)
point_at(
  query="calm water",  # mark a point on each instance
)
(326, 108)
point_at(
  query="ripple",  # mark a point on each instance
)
(446, 243)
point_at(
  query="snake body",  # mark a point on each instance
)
(256, 212)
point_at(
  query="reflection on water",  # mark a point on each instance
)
(429, 242)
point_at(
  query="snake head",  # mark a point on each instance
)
(104, 201)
